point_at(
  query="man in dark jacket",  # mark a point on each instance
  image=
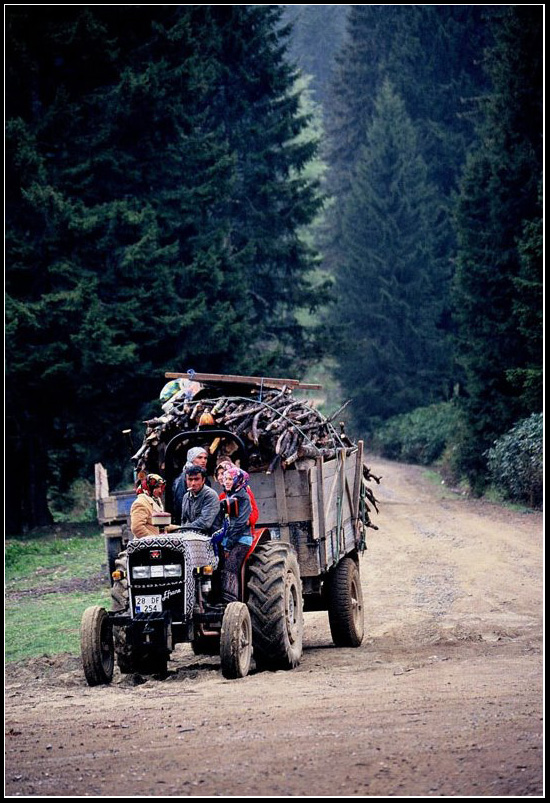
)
(198, 456)
(200, 507)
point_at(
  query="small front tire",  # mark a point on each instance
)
(236, 641)
(96, 646)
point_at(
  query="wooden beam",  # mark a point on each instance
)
(281, 501)
(267, 381)
(321, 517)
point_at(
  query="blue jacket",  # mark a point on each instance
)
(239, 528)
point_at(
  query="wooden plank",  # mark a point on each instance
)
(342, 495)
(101, 482)
(298, 509)
(296, 484)
(282, 509)
(321, 521)
(266, 381)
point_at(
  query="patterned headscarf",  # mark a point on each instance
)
(225, 464)
(148, 484)
(238, 477)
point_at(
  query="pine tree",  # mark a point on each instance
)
(498, 223)
(390, 286)
(155, 189)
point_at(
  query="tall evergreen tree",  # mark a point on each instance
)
(499, 226)
(431, 55)
(154, 192)
(390, 298)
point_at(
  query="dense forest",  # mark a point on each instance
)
(253, 189)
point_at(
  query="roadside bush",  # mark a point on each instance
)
(418, 437)
(515, 462)
(78, 504)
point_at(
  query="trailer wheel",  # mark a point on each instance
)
(276, 606)
(96, 646)
(236, 641)
(345, 604)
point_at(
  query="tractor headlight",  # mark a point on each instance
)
(152, 572)
(141, 572)
(172, 570)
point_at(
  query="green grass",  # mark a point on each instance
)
(38, 619)
(47, 625)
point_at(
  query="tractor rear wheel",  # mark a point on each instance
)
(276, 606)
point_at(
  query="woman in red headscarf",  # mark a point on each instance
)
(237, 539)
(149, 500)
(221, 468)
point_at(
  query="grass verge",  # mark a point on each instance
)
(49, 583)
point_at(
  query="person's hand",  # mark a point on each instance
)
(217, 537)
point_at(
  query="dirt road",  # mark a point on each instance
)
(443, 698)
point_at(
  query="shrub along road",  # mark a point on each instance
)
(443, 698)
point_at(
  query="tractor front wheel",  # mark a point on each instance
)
(96, 646)
(236, 641)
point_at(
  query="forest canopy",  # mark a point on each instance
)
(246, 189)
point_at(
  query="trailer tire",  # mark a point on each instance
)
(96, 646)
(276, 606)
(345, 604)
(236, 641)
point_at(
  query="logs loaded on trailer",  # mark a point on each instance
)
(279, 429)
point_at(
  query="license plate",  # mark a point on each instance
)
(151, 603)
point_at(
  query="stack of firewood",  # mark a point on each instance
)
(277, 428)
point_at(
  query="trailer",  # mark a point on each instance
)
(113, 515)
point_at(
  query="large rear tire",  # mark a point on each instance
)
(345, 604)
(236, 641)
(276, 606)
(96, 646)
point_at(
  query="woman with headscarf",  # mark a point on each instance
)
(221, 468)
(237, 539)
(149, 500)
